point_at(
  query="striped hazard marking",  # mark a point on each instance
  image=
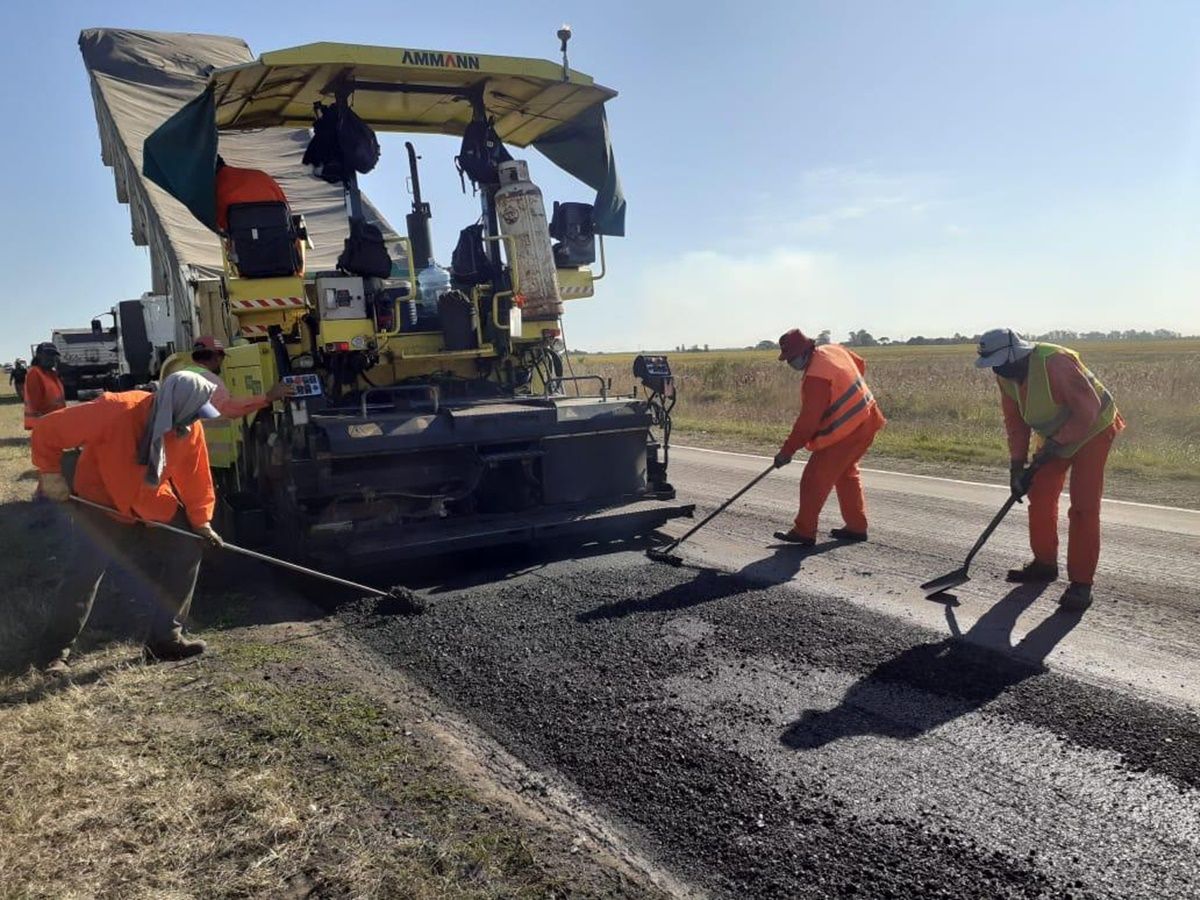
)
(261, 303)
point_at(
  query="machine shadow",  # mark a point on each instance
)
(945, 679)
(710, 585)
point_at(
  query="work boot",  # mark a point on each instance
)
(57, 668)
(846, 534)
(792, 536)
(1076, 597)
(175, 647)
(1033, 573)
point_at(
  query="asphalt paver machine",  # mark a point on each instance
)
(433, 413)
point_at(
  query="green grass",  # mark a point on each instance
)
(941, 409)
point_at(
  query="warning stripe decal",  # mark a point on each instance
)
(267, 303)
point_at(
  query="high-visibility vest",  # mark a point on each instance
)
(850, 400)
(44, 394)
(1038, 408)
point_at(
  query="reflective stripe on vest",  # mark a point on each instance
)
(1038, 408)
(850, 399)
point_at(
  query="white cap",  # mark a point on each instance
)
(1000, 346)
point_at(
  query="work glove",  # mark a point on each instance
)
(1016, 477)
(54, 487)
(782, 459)
(1051, 449)
(206, 531)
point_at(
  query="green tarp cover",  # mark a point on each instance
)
(582, 148)
(181, 157)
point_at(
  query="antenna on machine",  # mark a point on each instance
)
(564, 35)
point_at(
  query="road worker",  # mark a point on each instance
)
(44, 391)
(838, 420)
(208, 355)
(144, 456)
(17, 377)
(1046, 389)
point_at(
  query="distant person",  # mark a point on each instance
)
(838, 421)
(44, 392)
(17, 378)
(1047, 389)
(208, 355)
(237, 185)
(144, 456)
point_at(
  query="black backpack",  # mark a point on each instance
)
(481, 153)
(469, 263)
(360, 147)
(341, 144)
(364, 252)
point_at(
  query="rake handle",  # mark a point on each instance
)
(720, 509)
(234, 548)
(1012, 501)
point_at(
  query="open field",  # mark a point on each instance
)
(943, 414)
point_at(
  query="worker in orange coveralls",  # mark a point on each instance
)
(143, 455)
(44, 392)
(1047, 389)
(237, 185)
(838, 421)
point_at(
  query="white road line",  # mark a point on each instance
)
(998, 487)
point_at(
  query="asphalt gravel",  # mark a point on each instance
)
(761, 740)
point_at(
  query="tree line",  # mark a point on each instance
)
(864, 338)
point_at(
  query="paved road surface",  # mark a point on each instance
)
(769, 722)
(1143, 631)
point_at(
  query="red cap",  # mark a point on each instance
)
(208, 342)
(794, 343)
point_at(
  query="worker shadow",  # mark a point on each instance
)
(710, 585)
(934, 683)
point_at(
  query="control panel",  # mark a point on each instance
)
(653, 371)
(306, 385)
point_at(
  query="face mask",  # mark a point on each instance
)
(1010, 370)
(801, 363)
(182, 429)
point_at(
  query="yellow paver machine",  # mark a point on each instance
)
(432, 412)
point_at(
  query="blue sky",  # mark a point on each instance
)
(908, 168)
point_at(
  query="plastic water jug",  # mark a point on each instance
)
(432, 282)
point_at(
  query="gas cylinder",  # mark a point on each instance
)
(522, 216)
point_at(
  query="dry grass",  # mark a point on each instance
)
(942, 410)
(211, 781)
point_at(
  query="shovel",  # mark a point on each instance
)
(959, 576)
(666, 554)
(401, 599)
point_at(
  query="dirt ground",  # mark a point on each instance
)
(284, 763)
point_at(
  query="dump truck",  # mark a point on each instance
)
(87, 357)
(129, 352)
(433, 412)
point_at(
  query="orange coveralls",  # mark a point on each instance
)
(1070, 388)
(832, 467)
(109, 429)
(43, 395)
(236, 185)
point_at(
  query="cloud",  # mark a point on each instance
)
(825, 202)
